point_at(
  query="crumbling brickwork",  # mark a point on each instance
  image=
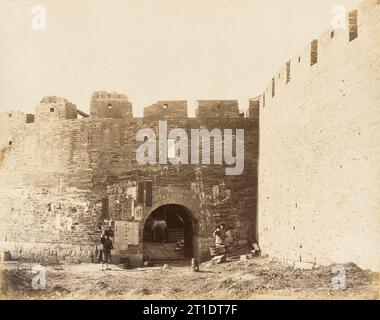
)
(110, 105)
(167, 109)
(320, 149)
(62, 177)
(55, 108)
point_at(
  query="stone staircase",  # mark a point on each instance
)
(175, 235)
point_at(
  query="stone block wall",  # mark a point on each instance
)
(166, 109)
(55, 108)
(319, 177)
(110, 105)
(62, 180)
(217, 109)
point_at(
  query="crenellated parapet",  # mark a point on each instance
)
(110, 105)
(253, 109)
(319, 148)
(172, 109)
(217, 109)
(333, 42)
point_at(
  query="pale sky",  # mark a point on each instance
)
(152, 50)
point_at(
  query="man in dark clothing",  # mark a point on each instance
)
(107, 246)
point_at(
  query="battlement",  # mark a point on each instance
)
(329, 46)
(166, 109)
(55, 108)
(117, 106)
(319, 142)
(110, 105)
(217, 109)
(252, 111)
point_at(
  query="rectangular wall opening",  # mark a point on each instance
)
(273, 87)
(140, 193)
(29, 118)
(149, 193)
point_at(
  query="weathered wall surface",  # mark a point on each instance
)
(319, 176)
(60, 179)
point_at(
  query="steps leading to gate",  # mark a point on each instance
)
(175, 235)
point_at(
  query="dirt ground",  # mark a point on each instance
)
(256, 278)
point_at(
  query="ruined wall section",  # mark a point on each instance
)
(55, 108)
(166, 110)
(62, 178)
(10, 124)
(320, 149)
(217, 109)
(213, 196)
(45, 187)
(110, 105)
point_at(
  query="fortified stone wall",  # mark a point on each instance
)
(61, 179)
(110, 105)
(319, 177)
(167, 109)
(55, 108)
(217, 109)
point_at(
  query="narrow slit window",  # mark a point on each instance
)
(273, 87)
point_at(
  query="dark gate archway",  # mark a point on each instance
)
(169, 233)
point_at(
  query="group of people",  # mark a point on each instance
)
(223, 240)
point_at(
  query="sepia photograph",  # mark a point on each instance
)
(189, 150)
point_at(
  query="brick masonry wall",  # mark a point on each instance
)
(217, 109)
(57, 173)
(167, 109)
(319, 177)
(110, 105)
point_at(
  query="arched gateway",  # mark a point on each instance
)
(169, 233)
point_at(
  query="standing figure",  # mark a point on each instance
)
(107, 246)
